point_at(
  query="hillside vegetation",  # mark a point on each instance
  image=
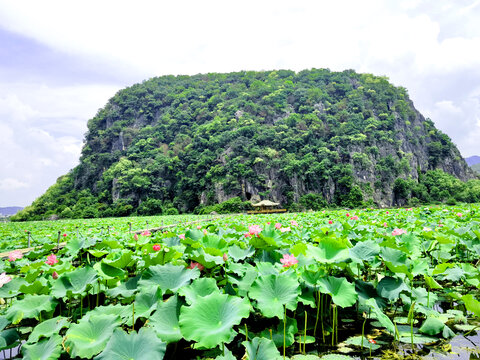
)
(308, 139)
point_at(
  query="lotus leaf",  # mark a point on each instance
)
(165, 320)
(199, 287)
(168, 277)
(48, 328)
(30, 307)
(89, 337)
(144, 345)
(46, 349)
(343, 292)
(261, 349)
(209, 321)
(272, 292)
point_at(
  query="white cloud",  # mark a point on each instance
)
(11, 184)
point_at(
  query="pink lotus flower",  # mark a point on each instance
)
(194, 265)
(65, 235)
(384, 224)
(146, 233)
(198, 227)
(135, 237)
(396, 232)
(254, 229)
(459, 214)
(293, 223)
(354, 217)
(285, 229)
(330, 221)
(156, 247)
(15, 255)
(388, 212)
(55, 275)
(247, 235)
(4, 278)
(278, 226)
(347, 214)
(268, 223)
(51, 259)
(288, 260)
(182, 236)
(204, 231)
(225, 257)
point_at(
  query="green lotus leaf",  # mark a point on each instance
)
(39, 287)
(30, 307)
(305, 357)
(160, 257)
(277, 334)
(168, 277)
(343, 292)
(209, 321)
(261, 349)
(74, 282)
(330, 250)
(396, 260)
(381, 317)
(165, 320)
(336, 357)
(237, 253)
(146, 301)
(119, 259)
(76, 244)
(472, 304)
(123, 313)
(89, 337)
(108, 271)
(244, 283)
(390, 287)
(125, 289)
(366, 290)
(144, 345)
(431, 283)
(98, 253)
(362, 341)
(272, 292)
(9, 339)
(207, 260)
(199, 287)
(46, 349)
(11, 289)
(48, 328)
(365, 250)
(417, 339)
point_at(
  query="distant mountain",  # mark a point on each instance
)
(472, 160)
(10, 210)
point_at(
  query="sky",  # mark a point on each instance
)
(61, 61)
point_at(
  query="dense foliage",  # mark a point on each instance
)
(179, 144)
(254, 287)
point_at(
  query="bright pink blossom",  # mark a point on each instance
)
(4, 278)
(135, 237)
(254, 229)
(198, 227)
(204, 231)
(278, 226)
(225, 257)
(354, 217)
(247, 235)
(288, 260)
(330, 221)
(293, 223)
(285, 229)
(156, 247)
(388, 212)
(396, 232)
(459, 214)
(347, 214)
(15, 255)
(51, 259)
(268, 223)
(182, 236)
(384, 224)
(146, 233)
(194, 265)
(65, 235)
(55, 275)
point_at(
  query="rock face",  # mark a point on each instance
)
(191, 141)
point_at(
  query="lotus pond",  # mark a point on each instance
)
(361, 284)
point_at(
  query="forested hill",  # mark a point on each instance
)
(303, 139)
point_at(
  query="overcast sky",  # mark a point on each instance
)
(60, 61)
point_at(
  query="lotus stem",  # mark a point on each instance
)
(133, 316)
(321, 314)
(318, 312)
(305, 339)
(246, 332)
(271, 335)
(284, 328)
